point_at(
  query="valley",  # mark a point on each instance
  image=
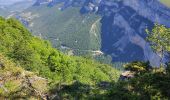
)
(31, 67)
(63, 27)
(85, 50)
(106, 27)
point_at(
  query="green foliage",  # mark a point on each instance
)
(137, 66)
(69, 31)
(16, 83)
(69, 28)
(38, 56)
(74, 77)
(159, 38)
(150, 84)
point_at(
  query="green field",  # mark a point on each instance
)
(166, 2)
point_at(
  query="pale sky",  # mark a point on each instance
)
(8, 2)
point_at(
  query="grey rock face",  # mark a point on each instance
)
(123, 25)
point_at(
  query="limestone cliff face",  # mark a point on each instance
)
(123, 25)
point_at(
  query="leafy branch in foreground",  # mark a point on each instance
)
(159, 38)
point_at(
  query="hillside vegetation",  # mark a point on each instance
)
(16, 83)
(31, 69)
(38, 56)
(147, 82)
(66, 29)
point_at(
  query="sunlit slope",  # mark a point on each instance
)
(37, 55)
(68, 28)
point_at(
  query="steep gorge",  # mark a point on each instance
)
(123, 25)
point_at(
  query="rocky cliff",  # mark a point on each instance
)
(123, 28)
(123, 25)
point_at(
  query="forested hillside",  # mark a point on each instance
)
(65, 29)
(31, 69)
(38, 56)
(115, 28)
(135, 34)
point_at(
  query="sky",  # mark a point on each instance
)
(8, 2)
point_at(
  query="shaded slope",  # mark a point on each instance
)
(123, 28)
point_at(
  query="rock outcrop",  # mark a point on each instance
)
(123, 25)
(16, 83)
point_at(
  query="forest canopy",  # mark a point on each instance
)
(38, 56)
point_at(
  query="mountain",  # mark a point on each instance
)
(12, 8)
(68, 23)
(33, 61)
(124, 36)
(20, 5)
(31, 68)
(119, 31)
